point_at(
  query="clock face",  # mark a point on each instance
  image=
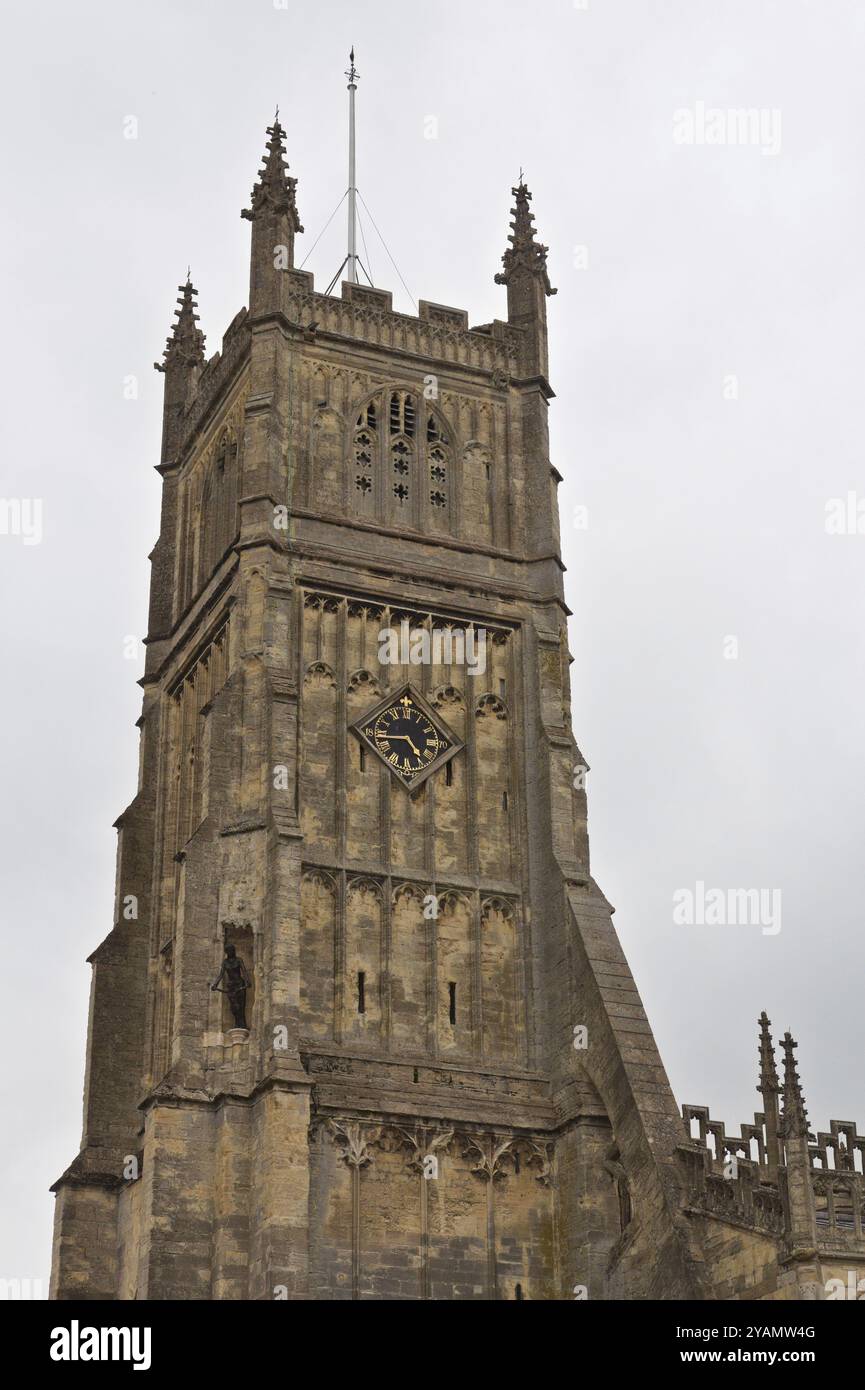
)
(407, 737)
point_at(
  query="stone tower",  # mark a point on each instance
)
(358, 770)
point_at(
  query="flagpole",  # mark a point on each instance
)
(352, 76)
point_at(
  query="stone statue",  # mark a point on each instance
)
(237, 982)
(616, 1169)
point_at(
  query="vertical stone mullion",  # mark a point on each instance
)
(473, 856)
(387, 957)
(382, 478)
(339, 940)
(518, 822)
(477, 975)
(424, 1220)
(341, 674)
(431, 992)
(492, 1272)
(355, 1230)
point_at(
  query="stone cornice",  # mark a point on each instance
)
(424, 538)
(433, 579)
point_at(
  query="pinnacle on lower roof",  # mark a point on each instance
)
(525, 255)
(184, 345)
(274, 190)
(768, 1069)
(795, 1117)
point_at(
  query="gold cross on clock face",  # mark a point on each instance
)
(408, 736)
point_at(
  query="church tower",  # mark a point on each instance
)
(425, 1072)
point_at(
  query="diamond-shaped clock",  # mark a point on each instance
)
(408, 736)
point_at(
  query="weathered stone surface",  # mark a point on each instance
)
(408, 1116)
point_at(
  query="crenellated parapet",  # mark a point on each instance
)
(437, 334)
(437, 337)
(776, 1176)
(216, 374)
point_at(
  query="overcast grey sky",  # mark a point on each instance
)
(680, 267)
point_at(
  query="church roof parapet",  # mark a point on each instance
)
(438, 332)
(730, 1175)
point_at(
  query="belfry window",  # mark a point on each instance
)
(403, 420)
(402, 414)
(401, 461)
(438, 458)
(365, 445)
(218, 508)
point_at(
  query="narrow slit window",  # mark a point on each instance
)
(362, 757)
(504, 801)
(361, 992)
(449, 775)
(519, 1293)
(503, 689)
(452, 1002)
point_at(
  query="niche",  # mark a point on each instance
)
(241, 936)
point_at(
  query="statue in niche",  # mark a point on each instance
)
(237, 982)
(616, 1169)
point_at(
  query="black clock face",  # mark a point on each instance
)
(407, 740)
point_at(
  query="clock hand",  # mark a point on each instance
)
(404, 738)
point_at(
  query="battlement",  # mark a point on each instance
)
(217, 372)
(437, 336)
(744, 1178)
(437, 333)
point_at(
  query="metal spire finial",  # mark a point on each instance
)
(352, 76)
(352, 262)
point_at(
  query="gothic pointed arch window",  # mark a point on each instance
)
(403, 427)
(439, 471)
(188, 537)
(401, 467)
(218, 519)
(365, 448)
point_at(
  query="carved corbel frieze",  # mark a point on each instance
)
(490, 704)
(447, 695)
(355, 1141)
(539, 1156)
(364, 683)
(420, 1141)
(320, 672)
(362, 609)
(494, 1156)
(488, 1154)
